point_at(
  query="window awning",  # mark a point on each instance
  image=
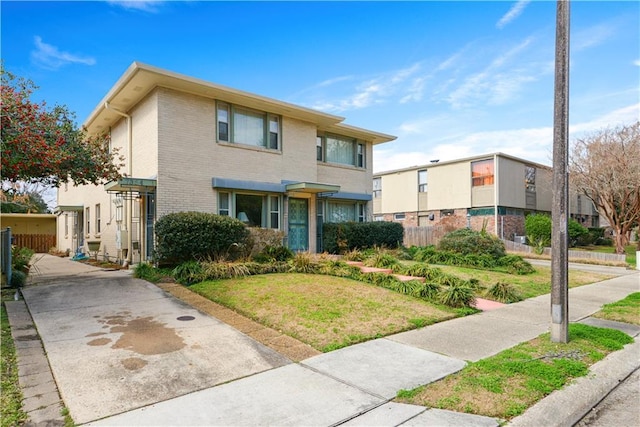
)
(131, 185)
(312, 187)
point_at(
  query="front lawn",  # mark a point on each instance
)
(325, 312)
(505, 385)
(626, 310)
(530, 285)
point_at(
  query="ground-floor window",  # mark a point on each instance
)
(255, 210)
(345, 211)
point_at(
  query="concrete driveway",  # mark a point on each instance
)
(116, 343)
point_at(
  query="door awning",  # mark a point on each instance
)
(312, 187)
(131, 185)
(68, 208)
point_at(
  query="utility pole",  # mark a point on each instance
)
(560, 202)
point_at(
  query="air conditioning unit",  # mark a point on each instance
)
(520, 239)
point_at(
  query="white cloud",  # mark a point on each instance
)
(512, 14)
(50, 57)
(143, 5)
(373, 91)
(592, 36)
(497, 84)
(621, 116)
(636, 62)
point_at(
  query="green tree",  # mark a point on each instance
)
(42, 145)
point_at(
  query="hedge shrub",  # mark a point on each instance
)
(538, 230)
(344, 236)
(186, 236)
(466, 241)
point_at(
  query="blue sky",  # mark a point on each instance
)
(449, 79)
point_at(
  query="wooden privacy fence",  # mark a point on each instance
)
(40, 243)
(423, 236)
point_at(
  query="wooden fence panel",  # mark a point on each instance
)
(40, 243)
(423, 236)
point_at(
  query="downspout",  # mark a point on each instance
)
(130, 174)
(496, 192)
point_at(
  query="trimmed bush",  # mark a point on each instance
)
(577, 232)
(465, 241)
(538, 229)
(18, 279)
(186, 236)
(344, 236)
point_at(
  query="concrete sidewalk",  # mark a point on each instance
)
(218, 376)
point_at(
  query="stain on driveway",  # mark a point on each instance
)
(115, 343)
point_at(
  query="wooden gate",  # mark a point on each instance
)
(40, 243)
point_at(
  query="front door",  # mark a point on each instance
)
(298, 225)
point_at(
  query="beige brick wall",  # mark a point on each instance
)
(144, 121)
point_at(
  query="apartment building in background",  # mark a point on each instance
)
(192, 145)
(493, 191)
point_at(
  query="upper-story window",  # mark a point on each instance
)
(530, 178)
(482, 173)
(422, 181)
(245, 126)
(341, 150)
(377, 188)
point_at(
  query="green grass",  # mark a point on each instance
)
(326, 312)
(626, 310)
(11, 395)
(527, 286)
(505, 385)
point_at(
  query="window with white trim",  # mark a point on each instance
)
(340, 150)
(399, 216)
(422, 181)
(361, 212)
(87, 219)
(377, 188)
(223, 204)
(66, 224)
(345, 211)
(97, 215)
(255, 210)
(241, 125)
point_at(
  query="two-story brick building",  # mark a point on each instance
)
(192, 145)
(494, 191)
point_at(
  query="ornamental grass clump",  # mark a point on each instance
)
(504, 292)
